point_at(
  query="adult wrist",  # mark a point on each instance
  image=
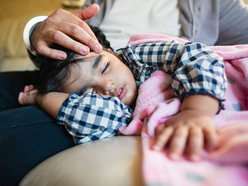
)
(29, 29)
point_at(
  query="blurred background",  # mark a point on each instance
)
(14, 14)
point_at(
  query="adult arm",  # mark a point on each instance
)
(214, 22)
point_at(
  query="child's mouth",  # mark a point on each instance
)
(120, 93)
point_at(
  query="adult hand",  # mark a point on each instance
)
(59, 27)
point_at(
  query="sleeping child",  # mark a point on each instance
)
(93, 95)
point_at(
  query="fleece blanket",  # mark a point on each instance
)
(227, 165)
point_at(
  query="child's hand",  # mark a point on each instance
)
(193, 128)
(50, 102)
(28, 96)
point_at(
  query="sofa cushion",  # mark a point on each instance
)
(1, 57)
(108, 162)
(11, 36)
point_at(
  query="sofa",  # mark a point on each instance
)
(13, 17)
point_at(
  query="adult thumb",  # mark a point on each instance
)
(88, 12)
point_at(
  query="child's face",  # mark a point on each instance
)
(104, 74)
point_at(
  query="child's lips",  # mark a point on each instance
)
(120, 92)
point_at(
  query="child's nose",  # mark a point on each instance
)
(109, 88)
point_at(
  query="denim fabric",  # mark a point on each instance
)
(28, 135)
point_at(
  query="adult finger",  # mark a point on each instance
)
(195, 143)
(88, 12)
(81, 34)
(85, 14)
(73, 18)
(43, 49)
(64, 40)
(178, 142)
(211, 138)
(60, 38)
(73, 25)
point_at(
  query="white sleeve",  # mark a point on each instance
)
(26, 32)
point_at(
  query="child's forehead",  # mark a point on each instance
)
(90, 56)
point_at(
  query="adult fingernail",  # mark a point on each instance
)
(98, 48)
(83, 50)
(61, 56)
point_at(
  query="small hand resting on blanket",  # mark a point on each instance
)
(190, 127)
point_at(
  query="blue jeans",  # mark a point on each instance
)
(28, 135)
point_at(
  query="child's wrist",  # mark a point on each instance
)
(205, 103)
(38, 99)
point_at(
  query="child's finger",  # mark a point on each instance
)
(195, 143)
(211, 138)
(178, 142)
(20, 96)
(26, 89)
(31, 87)
(163, 134)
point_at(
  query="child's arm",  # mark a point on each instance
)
(195, 70)
(50, 102)
(191, 127)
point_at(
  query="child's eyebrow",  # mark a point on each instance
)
(97, 61)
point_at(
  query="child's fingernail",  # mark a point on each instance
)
(194, 157)
(174, 156)
(21, 95)
(156, 147)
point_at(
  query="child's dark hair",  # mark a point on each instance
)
(54, 72)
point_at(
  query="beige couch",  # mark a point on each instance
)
(13, 54)
(13, 17)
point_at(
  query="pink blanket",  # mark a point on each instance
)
(227, 165)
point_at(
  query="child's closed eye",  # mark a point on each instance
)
(106, 68)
